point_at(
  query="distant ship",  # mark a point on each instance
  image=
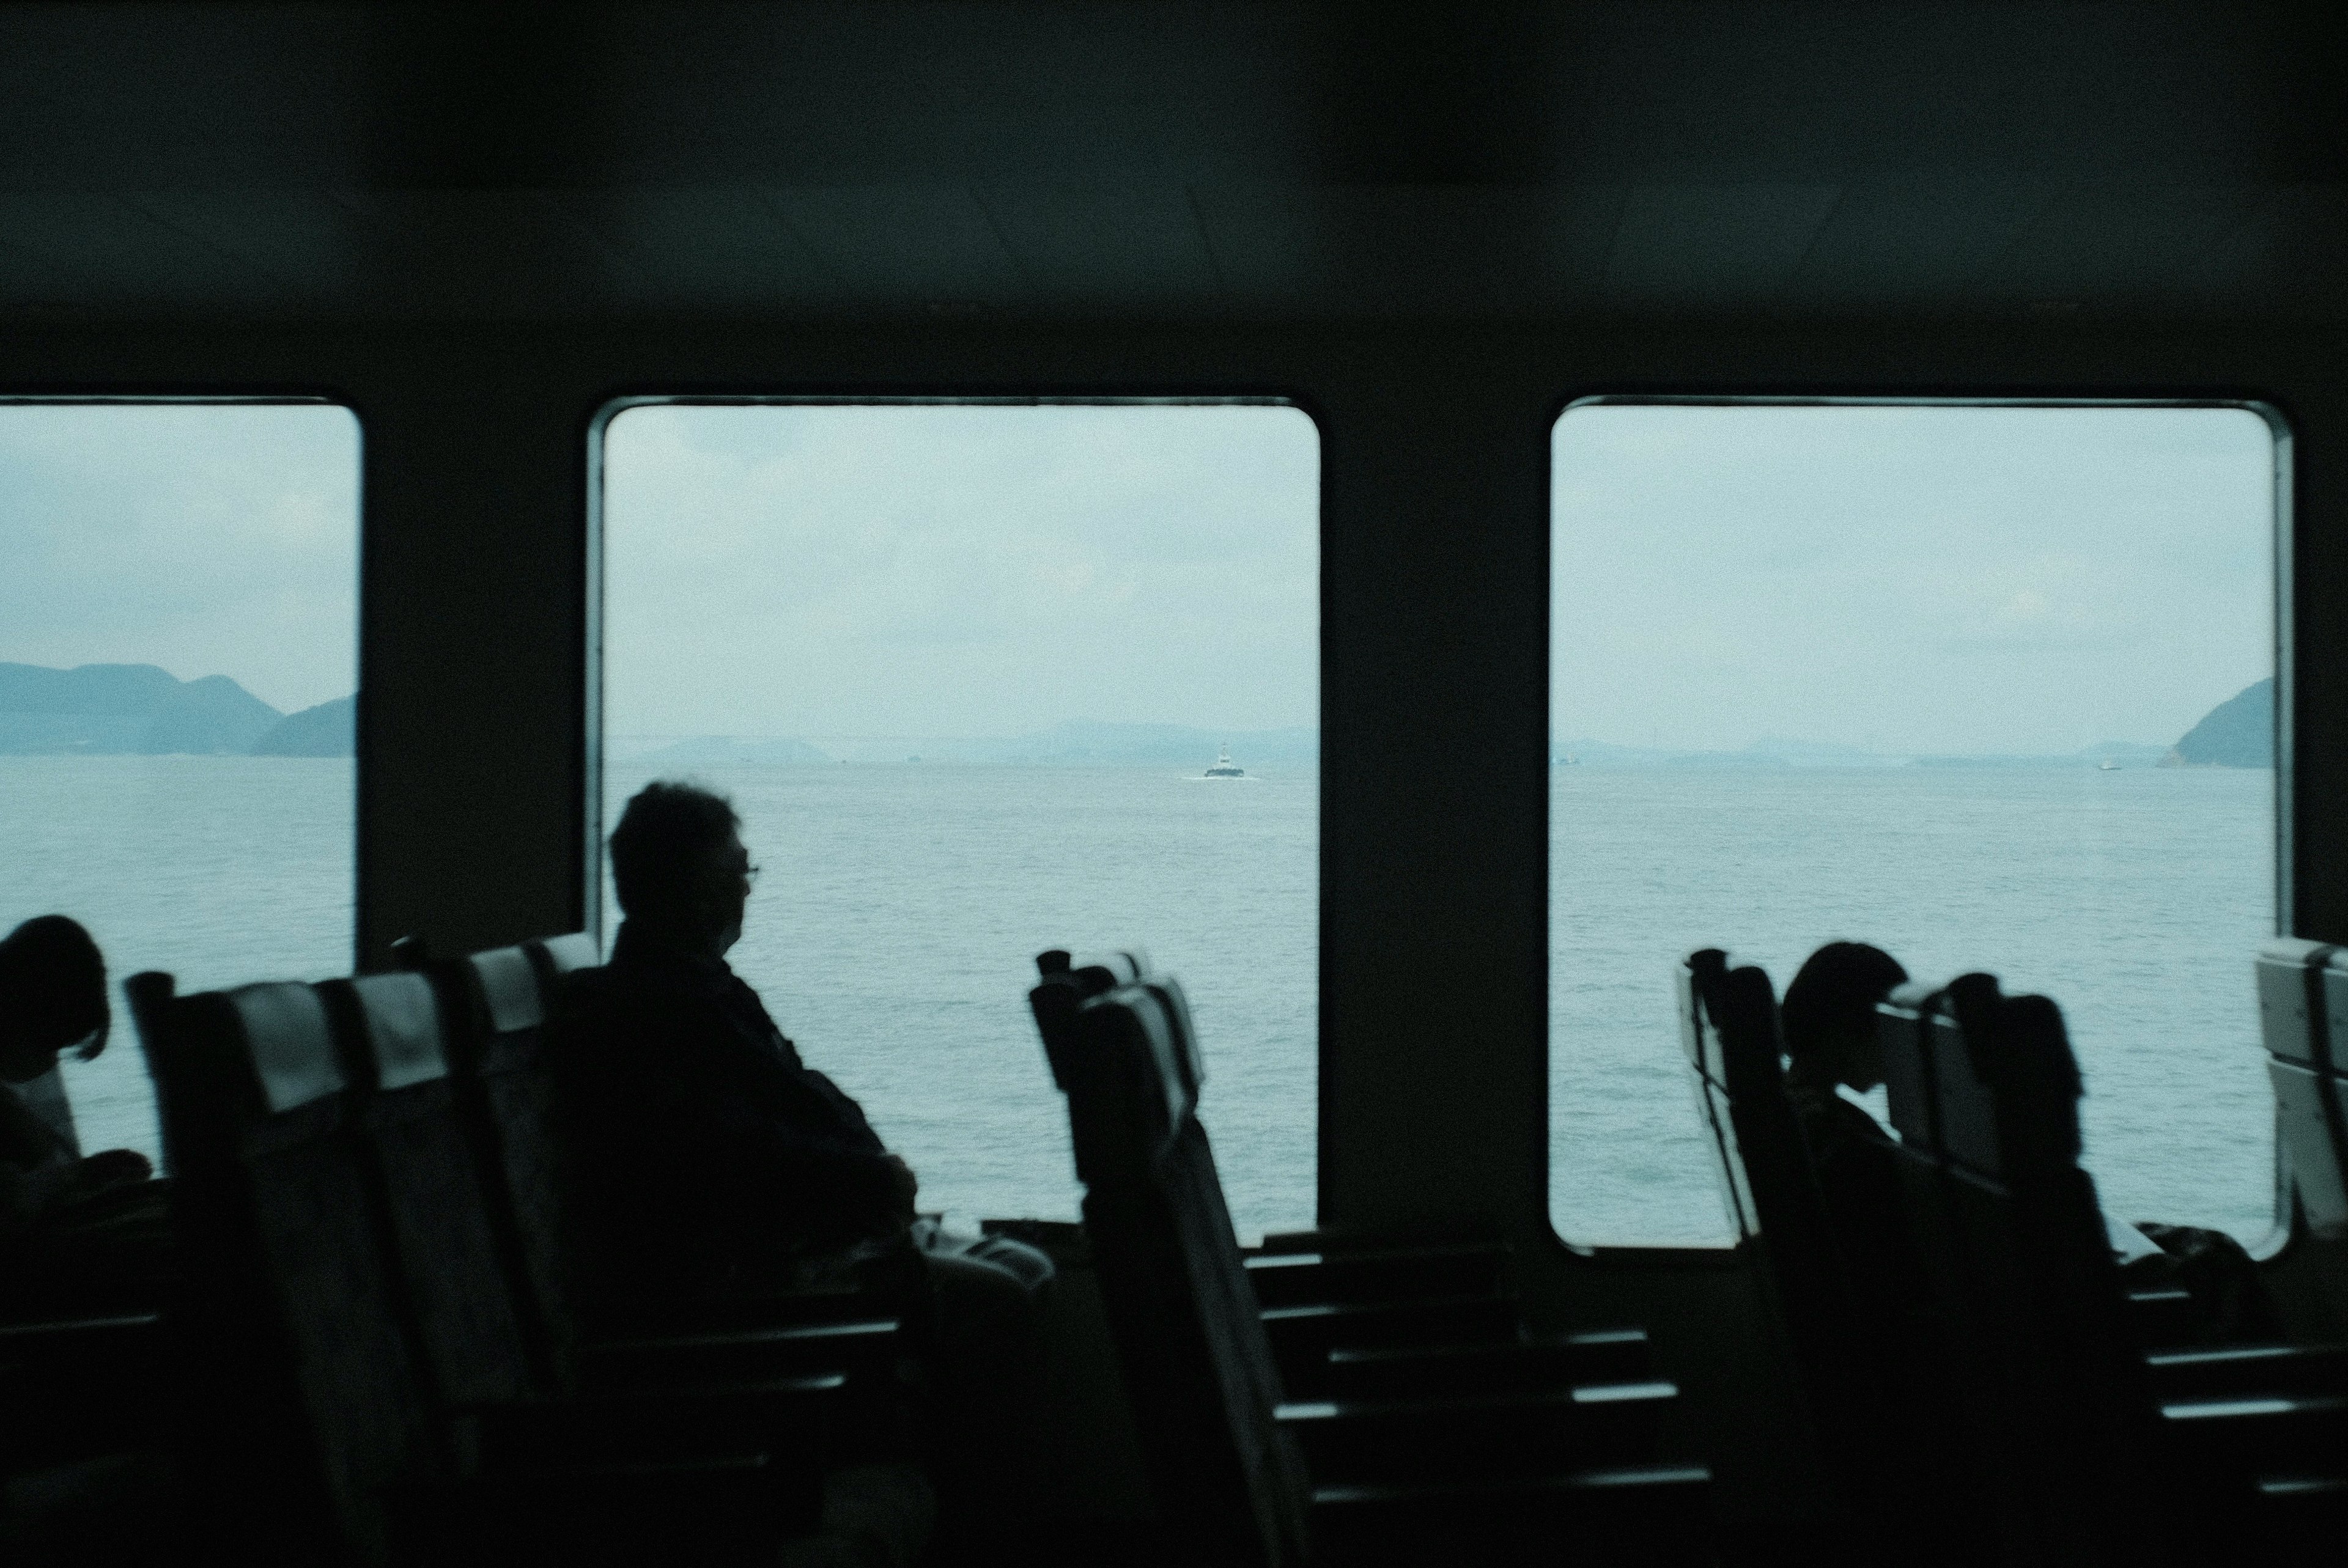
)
(2107, 766)
(1225, 768)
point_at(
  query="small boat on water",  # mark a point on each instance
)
(2107, 766)
(1225, 768)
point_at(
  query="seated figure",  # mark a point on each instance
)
(705, 1157)
(1828, 1019)
(1827, 1023)
(52, 1000)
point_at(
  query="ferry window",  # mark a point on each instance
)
(1989, 687)
(178, 653)
(963, 669)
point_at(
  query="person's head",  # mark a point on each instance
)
(1829, 1014)
(679, 866)
(52, 996)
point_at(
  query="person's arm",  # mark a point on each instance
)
(794, 1173)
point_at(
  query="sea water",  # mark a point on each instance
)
(894, 931)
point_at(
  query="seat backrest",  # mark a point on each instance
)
(436, 1224)
(1702, 993)
(497, 1003)
(1187, 1324)
(2303, 1019)
(558, 956)
(1984, 1091)
(1728, 1023)
(320, 1406)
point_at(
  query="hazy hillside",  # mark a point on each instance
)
(1774, 751)
(1090, 740)
(328, 729)
(726, 752)
(2239, 732)
(125, 709)
(1079, 742)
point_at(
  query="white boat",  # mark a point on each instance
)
(2107, 766)
(1225, 768)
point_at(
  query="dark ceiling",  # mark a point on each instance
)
(1779, 158)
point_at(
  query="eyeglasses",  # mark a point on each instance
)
(750, 874)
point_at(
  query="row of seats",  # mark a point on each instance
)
(379, 1353)
(2023, 1406)
(1299, 1407)
(376, 1356)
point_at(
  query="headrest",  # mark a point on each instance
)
(1144, 1023)
(290, 1041)
(1063, 988)
(508, 984)
(1728, 1023)
(403, 1029)
(1193, 1066)
(1979, 1078)
(578, 950)
(2305, 1111)
(2303, 1001)
(1698, 1038)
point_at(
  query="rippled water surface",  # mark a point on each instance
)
(2136, 898)
(894, 931)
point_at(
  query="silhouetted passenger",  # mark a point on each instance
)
(52, 1000)
(1827, 1022)
(1828, 1019)
(704, 1156)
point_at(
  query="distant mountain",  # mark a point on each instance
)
(117, 690)
(1777, 752)
(2239, 732)
(727, 752)
(211, 716)
(125, 709)
(328, 729)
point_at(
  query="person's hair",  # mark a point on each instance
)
(1834, 996)
(664, 841)
(52, 986)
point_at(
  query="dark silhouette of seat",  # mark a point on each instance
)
(395, 1057)
(1836, 1305)
(1984, 1092)
(2093, 1453)
(348, 1311)
(495, 1002)
(1233, 1466)
(2302, 1008)
(321, 1404)
(1196, 1360)
(498, 1002)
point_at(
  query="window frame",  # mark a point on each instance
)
(2281, 542)
(593, 829)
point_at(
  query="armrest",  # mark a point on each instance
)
(1369, 1440)
(1374, 1372)
(746, 1312)
(741, 1356)
(2236, 1370)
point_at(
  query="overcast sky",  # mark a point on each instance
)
(1905, 579)
(958, 571)
(1902, 579)
(212, 540)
